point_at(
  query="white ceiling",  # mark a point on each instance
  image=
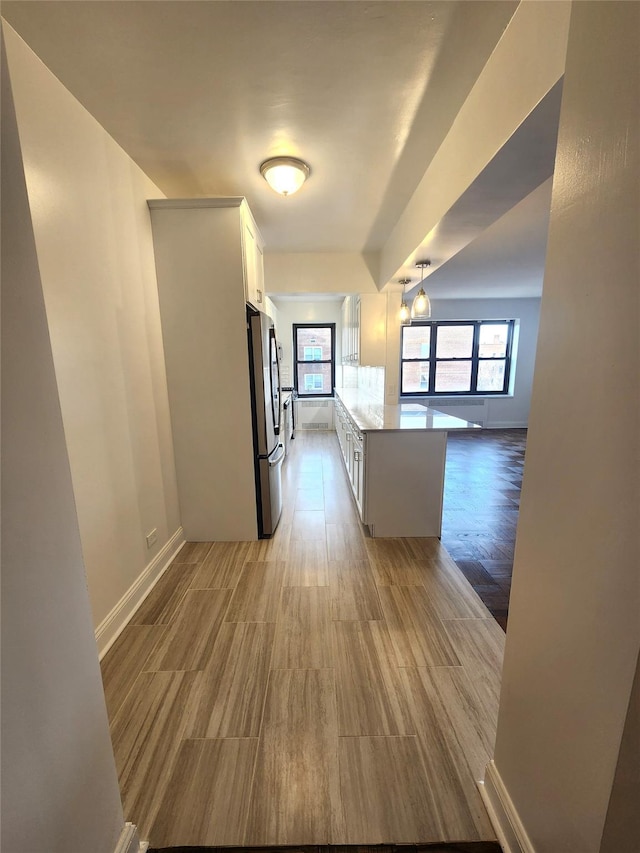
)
(200, 93)
(506, 260)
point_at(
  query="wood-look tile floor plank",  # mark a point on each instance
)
(222, 566)
(146, 734)
(257, 594)
(354, 596)
(418, 635)
(230, 695)
(371, 697)
(308, 479)
(385, 795)
(309, 499)
(124, 662)
(269, 550)
(332, 468)
(392, 564)
(479, 644)
(451, 731)
(308, 524)
(188, 641)
(160, 606)
(451, 594)
(311, 461)
(428, 548)
(192, 552)
(338, 505)
(345, 542)
(295, 797)
(207, 795)
(306, 563)
(443, 700)
(304, 639)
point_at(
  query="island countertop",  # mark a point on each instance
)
(369, 415)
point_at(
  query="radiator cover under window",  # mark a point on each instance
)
(314, 414)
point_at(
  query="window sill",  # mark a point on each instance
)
(414, 398)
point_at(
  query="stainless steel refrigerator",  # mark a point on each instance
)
(266, 412)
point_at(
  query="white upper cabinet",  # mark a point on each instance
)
(252, 247)
(364, 329)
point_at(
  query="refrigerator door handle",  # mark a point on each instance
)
(278, 456)
(275, 381)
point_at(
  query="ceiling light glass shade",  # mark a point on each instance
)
(285, 174)
(421, 308)
(405, 314)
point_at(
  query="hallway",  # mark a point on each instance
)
(321, 687)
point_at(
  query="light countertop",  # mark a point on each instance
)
(369, 415)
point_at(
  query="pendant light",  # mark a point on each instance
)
(405, 314)
(285, 175)
(421, 308)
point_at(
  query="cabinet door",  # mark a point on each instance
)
(372, 330)
(342, 436)
(358, 476)
(253, 263)
(259, 271)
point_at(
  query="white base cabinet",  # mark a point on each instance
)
(396, 476)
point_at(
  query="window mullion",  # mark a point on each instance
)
(475, 352)
(507, 364)
(432, 357)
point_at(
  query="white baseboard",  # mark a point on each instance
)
(504, 818)
(129, 841)
(111, 626)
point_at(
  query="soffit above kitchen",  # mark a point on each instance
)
(200, 93)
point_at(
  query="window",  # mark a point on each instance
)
(312, 353)
(456, 357)
(314, 358)
(313, 382)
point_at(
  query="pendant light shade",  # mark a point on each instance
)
(405, 313)
(285, 174)
(421, 307)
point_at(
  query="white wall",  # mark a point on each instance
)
(512, 411)
(93, 239)
(290, 312)
(574, 615)
(317, 272)
(59, 786)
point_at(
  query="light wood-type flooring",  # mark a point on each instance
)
(321, 687)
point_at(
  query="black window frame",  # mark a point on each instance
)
(474, 359)
(296, 361)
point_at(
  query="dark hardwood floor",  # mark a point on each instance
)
(483, 477)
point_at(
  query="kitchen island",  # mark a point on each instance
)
(394, 456)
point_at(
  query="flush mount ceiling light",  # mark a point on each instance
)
(421, 308)
(285, 174)
(405, 314)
